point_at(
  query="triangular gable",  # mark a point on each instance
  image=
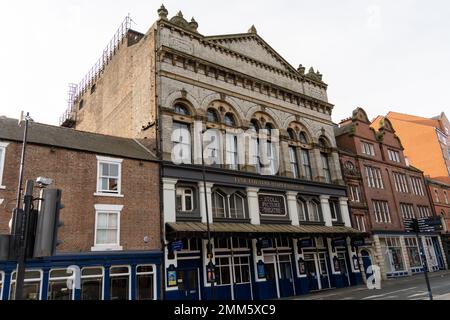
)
(253, 46)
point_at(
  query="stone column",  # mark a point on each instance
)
(253, 206)
(336, 174)
(291, 197)
(326, 211)
(345, 214)
(444, 257)
(316, 165)
(201, 195)
(405, 255)
(379, 256)
(169, 199)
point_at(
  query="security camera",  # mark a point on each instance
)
(44, 182)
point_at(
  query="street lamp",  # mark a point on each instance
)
(210, 270)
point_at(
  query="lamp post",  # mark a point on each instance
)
(20, 230)
(210, 267)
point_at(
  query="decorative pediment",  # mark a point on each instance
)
(253, 46)
(361, 115)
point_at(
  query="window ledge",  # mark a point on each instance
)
(2, 187)
(106, 248)
(114, 195)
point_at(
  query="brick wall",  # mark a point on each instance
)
(75, 173)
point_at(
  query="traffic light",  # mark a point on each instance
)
(46, 238)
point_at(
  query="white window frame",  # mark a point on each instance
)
(232, 151)
(436, 196)
(367, 148)
(360, 223)
(153, 273)
(104, 193)
(355, 193)
(382, 212)
(118, 275)
(41, 284)
(294, 162)
(2, 283)
(181, 191)
(3, 146)
(94, 277)
(306, 163)
(445, 197)
(407, 210)
(394, 155)
(50, 278)
(107, 208)
(417, 186)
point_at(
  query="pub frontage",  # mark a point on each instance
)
(271, 237)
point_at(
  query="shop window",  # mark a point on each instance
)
(57, 285)
(92, 283)
(285, 267)
(109, 176)
(145, 283)
(241, 270)
(32, 286)
(413, 252)
(223, 276)
(221, 243)
(119, 283)
(392, 252)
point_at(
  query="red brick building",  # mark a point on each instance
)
(383, 190)
(111, 219)
(440, 196)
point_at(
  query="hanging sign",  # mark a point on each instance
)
(357, 242)
(271, 205)
(177, 245)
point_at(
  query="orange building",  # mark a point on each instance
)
(426, 143)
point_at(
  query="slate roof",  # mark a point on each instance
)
(67, 138)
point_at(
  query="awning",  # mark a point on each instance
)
(177, 229)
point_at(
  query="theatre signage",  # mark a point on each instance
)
(271, 204)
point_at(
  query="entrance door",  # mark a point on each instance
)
(271, 277)
(188, 284)
(286, 279)
(311, 272)
(367, 262)
(344, 269)
(324, 274)
(431, 254)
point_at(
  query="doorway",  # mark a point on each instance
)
(188, 284)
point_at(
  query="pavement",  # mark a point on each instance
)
(406, 288)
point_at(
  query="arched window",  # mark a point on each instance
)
(436, 195)
(302, 211)
(237, 207)
(254, 157)
(445, 197)
(229, 120)
(181, 109)
(313, 211)
(291, 134)
(218, 204)
(303, 138)
(212, 116)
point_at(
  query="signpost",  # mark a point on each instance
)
(423, 225)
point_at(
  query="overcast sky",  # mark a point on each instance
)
(381, 55)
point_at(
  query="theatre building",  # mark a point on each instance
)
(107, 232)
(384, 190)
(279, 227)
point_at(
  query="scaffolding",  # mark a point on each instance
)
(77, 90)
